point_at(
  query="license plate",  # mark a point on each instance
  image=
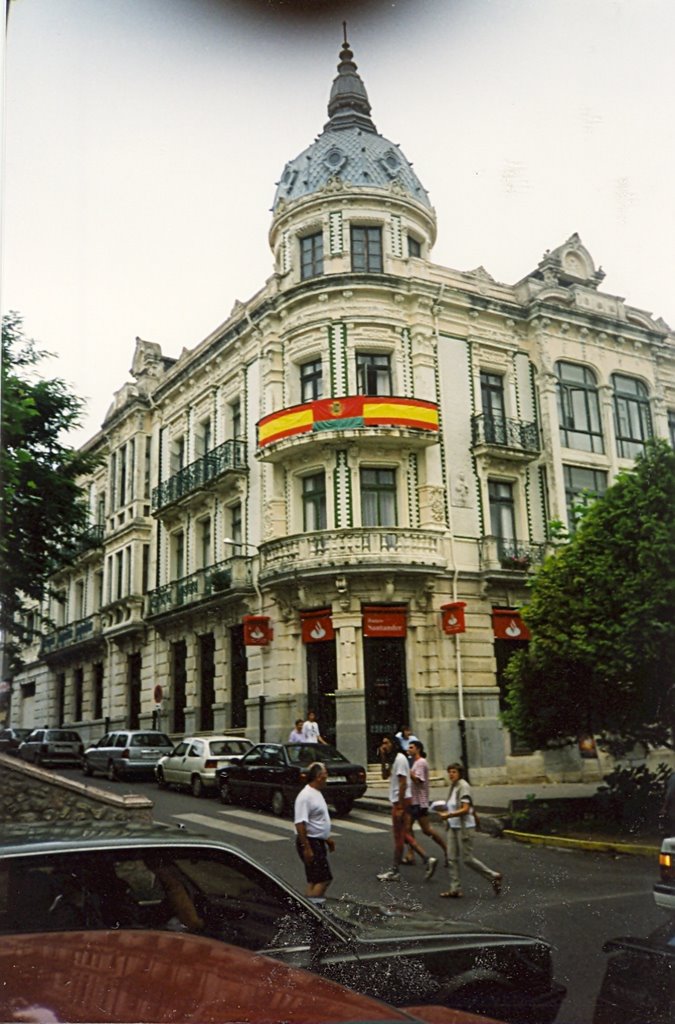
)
(62, 748)
(337, 778)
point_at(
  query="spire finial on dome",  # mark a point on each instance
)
(348, 103)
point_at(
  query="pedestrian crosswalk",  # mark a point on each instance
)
(265, 828)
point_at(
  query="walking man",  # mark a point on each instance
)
(419, 807)
(295, 735)
(312, 825)
(395, 767)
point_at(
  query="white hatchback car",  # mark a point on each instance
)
(664, 891)
(194, 761)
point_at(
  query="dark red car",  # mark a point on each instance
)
(137, 977)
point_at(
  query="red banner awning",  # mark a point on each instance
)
(317, 626)
(452, 617)
(384, 621)
(508, 625)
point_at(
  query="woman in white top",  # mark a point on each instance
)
(462, 822)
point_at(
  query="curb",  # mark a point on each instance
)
(592, 845)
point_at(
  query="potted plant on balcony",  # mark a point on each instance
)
(221, 579)
(517, 560)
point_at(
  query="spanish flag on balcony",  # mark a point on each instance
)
(351, 413)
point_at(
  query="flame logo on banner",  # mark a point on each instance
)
(513, 629)
(257, 633)
(451, 620)
(318, 633)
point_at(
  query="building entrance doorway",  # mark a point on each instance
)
(134, 689)
(322, 684)
(386, 689)
(207, 672)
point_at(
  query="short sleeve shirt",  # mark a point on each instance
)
(311, 807)
(461, 793)
(310, 732)
(398, 768)
(420, 793)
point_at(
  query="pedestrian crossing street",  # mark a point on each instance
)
(235, 821)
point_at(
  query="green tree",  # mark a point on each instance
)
(602, 616)
(42, 504)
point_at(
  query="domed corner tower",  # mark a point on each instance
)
(350, 201)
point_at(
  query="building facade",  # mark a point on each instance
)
(335, 501)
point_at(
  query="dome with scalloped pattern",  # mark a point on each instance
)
(349, 148)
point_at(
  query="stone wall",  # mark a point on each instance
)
(35, 794)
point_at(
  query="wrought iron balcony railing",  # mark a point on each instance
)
(220, 578)
(514, 555)
(71, 634)
(87, 540)
(231, 455)
(504, 433)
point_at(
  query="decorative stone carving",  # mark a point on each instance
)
(461, 494)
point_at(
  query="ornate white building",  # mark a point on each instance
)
(285, 512)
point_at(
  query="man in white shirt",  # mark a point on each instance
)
(296, 735)
(310, 730)
(312, 825)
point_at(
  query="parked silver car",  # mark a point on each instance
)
(194, 761)
(126, 753)
(52, 746)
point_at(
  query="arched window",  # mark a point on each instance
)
(578, 408)
(632, 416)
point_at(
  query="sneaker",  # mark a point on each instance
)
(431, 867)
(390, 876)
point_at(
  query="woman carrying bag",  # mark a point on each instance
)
(461, 819)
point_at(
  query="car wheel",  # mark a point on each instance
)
(112, 773)
(225, 792)
(197, 786)
(278, 803)
(161, 781)
(343, 807)
(86, 768)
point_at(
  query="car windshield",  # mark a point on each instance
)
(228, 747)
(207, 891)
(150, 739)
(62, 736)
(306, 753)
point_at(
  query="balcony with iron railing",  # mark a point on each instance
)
(86, 540)
(514, 556)
(511, 438)
(383, 547)
(228, 457)
(384, 418)
(74, 633)
(220, 580)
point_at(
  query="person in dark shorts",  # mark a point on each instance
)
(312, 825)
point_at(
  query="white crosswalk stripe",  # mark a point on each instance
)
(233, 828)
(269, 829)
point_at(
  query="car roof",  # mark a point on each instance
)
(202, 980)
(230, 739)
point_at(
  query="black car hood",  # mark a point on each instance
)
(377, 922)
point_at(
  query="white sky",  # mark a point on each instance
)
(143, 140)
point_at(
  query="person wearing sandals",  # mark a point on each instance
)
(460, 817)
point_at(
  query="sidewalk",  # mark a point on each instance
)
(492, 803)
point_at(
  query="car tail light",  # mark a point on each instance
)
(211, 763)
(355, 777)
(125, 753)
(666, 866)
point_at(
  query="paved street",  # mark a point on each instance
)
(576, 900)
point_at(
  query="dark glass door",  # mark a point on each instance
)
(322, 684)
(238, 685)
(386, 689)
(179, 673)
(207, 672)
(134, 685)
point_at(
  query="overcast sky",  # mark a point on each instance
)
(144, 138)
